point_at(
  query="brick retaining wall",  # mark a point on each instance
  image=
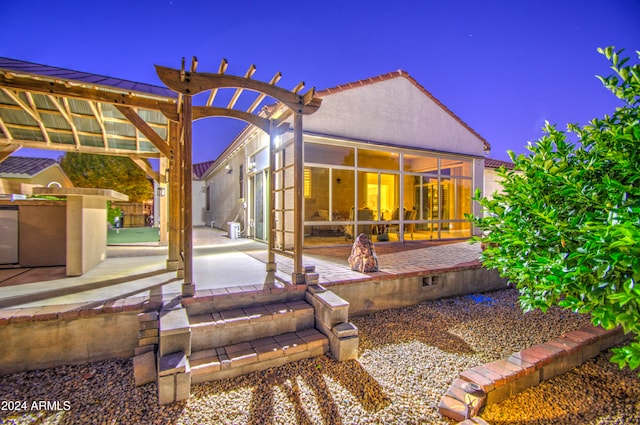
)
(381, 291)
(496, 381)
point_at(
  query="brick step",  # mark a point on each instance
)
(260, 354)
(218, 329)
(220, 299)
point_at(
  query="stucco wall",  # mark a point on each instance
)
(224, 187)
(393, 111)
(51, 175)
(198, 198)
(491, 182)
(86, 233)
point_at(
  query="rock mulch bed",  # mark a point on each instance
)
(408, 359)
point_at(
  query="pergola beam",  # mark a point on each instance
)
(145, 129)
(144, 166)
(200, 112)
(198, 82)
(55, 87)
(7, 150)
(36, 144)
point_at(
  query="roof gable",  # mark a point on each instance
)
(392, 110)
(401, 74)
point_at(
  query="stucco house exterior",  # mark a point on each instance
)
(382, 156)
(19, 174)
(491, 179)
(198, 194)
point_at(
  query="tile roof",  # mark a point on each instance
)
(24, 165)
(496, 163)
(405, 74)
(200, 168)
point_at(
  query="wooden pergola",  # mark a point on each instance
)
(188, 83)
(52, 108)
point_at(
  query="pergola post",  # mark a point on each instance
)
(161, 215)
(271, 257)
(298, 203)
(188, 286)
(174, 217)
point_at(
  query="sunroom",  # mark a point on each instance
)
(381, 156)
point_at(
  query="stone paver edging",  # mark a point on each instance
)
(496, 381)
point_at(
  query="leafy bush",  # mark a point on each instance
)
(566, 229)
(108, 172)
(112, 213)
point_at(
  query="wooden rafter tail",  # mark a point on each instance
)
(261, 96)
(194, 64)
(223, 66)
(238, 92)
(298, 87)
(276, 77)
(182, 71)
(221, 70)
(309, 96)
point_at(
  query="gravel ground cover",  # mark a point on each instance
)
(408, 359)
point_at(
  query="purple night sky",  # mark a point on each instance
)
(504, 67)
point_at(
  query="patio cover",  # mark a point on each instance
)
(51, 108)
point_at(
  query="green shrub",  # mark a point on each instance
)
(566, 229)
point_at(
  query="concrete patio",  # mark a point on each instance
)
(138, 271)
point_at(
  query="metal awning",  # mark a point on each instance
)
(51, 108)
